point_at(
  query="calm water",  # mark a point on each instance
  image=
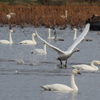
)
(26, 84)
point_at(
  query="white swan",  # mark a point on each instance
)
(65, 16)
(30, 42)
(10, 15)
(65, 55)
(49, 34)
(75, 36)
(62, 87)
(40, 51)
(10, 39)
(90, 67)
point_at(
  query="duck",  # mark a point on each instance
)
(90, 67)
(29, 42)
(10, 39)
(62, 87)
(40, 51)
(65, 55)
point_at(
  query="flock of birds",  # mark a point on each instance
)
(62, 56)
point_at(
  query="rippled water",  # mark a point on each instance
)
(25, 84)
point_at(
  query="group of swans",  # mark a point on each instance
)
(62, 87)
(10, 41)
(65, 55)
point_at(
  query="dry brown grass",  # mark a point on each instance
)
(47, 15)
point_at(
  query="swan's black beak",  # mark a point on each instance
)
(79, 73)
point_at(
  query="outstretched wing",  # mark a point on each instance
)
(53, 47)
(80, 38)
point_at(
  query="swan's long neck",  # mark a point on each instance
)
(75, 34)
(45, 49)
(33, 38)
(92, 64)
(65, 13)
(49, 33)
(73, 84)
(10, 38)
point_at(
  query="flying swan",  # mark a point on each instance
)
(65, 55)
(62, 87)
(30, 42)
(90, 67)
(40, 51)
(10, 39)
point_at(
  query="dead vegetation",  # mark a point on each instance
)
(47, 16)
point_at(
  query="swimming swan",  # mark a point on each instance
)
(49, 34)
(75, 35)
(90, 67)
(58, 38)
(30, 42)
(10, 39)
(62, 87)
(65, 55)
(65, 16)
(40, 51)
(10, 15)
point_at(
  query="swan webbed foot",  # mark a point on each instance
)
(60, 60)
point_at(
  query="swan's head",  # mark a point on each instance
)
(34, 34)
(74, 29)
(75, 71)
(66, 11)
(77, 50)
(97, 62)
(12, 31)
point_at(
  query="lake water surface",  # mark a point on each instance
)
(26, 84)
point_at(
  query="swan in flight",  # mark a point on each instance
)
(90, 67)
(62, 87)
(40, 51)
(65, 55)
(10, 39)
(30, 42)
(75, 36)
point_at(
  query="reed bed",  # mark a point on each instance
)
(47, 16)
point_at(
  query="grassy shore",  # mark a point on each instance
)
(47, 15)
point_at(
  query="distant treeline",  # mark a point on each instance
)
(54, 2)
